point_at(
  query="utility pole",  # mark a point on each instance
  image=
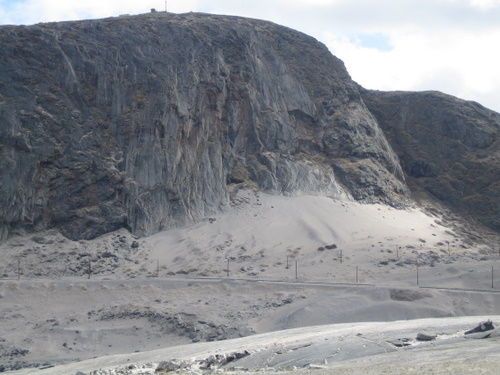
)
(166, 6)
(296, 269)
(18, 268)
(287, 265)
(357, 279)
(227, 269)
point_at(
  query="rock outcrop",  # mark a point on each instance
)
(146, 122)
(448, 147)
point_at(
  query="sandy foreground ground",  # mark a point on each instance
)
(266, 264)
(354, 348)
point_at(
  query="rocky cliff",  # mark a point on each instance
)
(448, 147)
(149, 121)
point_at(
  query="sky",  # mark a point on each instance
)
(448, 45)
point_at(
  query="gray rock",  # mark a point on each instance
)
(42, 240)
(425, 337)
(109, 124)
(481, 327)
(170, 366)
(400, 342)
(407, 295)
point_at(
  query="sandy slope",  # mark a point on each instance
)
(142, 294)
(260, 232)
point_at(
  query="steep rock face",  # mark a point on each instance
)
(447, 146)
(145, 122)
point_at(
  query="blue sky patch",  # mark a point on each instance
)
(379, 41)
(8, 3)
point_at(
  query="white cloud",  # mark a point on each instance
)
(459, 63)
(480, 4)
(32, 11)
(309, 2)
(485, 4)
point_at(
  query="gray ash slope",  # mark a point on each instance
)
(150, 121)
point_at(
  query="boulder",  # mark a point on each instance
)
(425, 337)
(481, 327)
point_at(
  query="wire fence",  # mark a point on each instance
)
(401, 267)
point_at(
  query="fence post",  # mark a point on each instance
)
(287, 265)
(492, 284)
(418, 281)
(296, 270)
(227, 269)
